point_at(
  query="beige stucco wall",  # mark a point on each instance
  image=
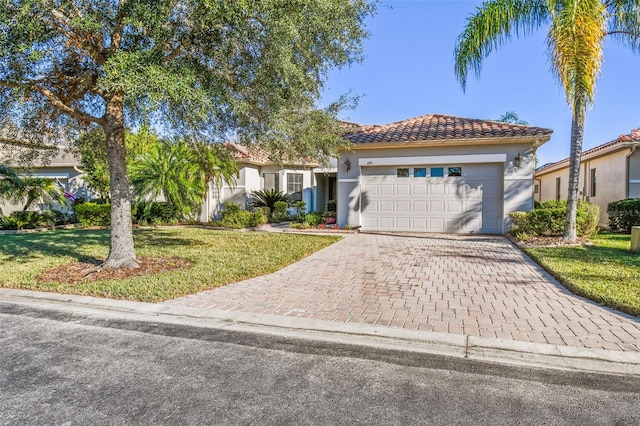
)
(611, 181)
(518, 182)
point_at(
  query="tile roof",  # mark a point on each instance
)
(443, 127)
(633, 136)
(257, 155)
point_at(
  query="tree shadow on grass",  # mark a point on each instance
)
(160, 237)
(73, 243)
(22, 247)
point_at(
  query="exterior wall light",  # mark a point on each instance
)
(347, 165)
(517, 162)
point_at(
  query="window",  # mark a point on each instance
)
(420, 172)
(437, 172)
(294, 186)
(402, 172)
(557, 189)
(455, 171)
(271, 181)
(593, 183)
(536, 188)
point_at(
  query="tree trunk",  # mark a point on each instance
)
(121, 253)
(577, 135)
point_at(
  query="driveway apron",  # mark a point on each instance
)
(460, 284)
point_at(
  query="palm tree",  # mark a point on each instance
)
(577, 29)
(180, 172)
(168, 171)
(29, 189)
(9, 182)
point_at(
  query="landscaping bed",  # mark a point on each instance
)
(191, 260)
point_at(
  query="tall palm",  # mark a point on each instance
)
(577, 29)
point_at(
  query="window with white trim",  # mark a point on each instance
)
(272, 181)
(294, 186)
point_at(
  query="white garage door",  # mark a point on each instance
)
(432, 198)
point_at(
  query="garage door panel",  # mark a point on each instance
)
(385, 205)
(387, 222)
(386, 189)
(403, 189)
(420, 206)
(420, 189)
(469, 203)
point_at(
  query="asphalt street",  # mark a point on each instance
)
(61, 368)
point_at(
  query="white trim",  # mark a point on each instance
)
(634, 181)
(433, 159)
(51, 175)
(348, 180)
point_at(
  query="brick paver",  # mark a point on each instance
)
(462, 284)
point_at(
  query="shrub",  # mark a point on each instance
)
(548, 219)
(92, 214)
(331, 205)
(268, 198)
(623, 214)
(234, 217)
(33, 219)
(279, 212)
(300, 207)
(313, 218)
(155, 212)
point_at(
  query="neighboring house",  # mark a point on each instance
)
(62, 166)
(608, 172)
(301, 180)
(438, 173)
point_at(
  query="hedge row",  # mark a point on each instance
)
(548, 219)
(142, 213)
(624, 214)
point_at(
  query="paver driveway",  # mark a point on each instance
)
(473, 285)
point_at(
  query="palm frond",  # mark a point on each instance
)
(494, 23)
(575, 44)
(624, 22)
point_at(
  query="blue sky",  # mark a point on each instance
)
(408, 71)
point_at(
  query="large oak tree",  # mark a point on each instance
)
(201, 69)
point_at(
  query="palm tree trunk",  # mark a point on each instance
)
(577, 135)
(121, 253)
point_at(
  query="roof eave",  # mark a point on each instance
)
(537, 140)
(590, 156)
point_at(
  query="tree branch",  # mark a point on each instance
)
(55, 101)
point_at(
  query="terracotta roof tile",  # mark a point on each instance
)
(442, 127)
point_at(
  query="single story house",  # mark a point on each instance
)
(61, 165)
(302, 180)
(608, 172)
(437, 173)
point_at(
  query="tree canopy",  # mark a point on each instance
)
(202, 69)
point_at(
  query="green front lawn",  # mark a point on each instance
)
(605, 272)
(218, 257)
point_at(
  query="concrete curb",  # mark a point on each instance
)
(452, 345)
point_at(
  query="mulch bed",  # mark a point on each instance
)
(553, 242)
(89, 270)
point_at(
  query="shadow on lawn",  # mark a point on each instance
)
(74, 243)
(20, 247)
